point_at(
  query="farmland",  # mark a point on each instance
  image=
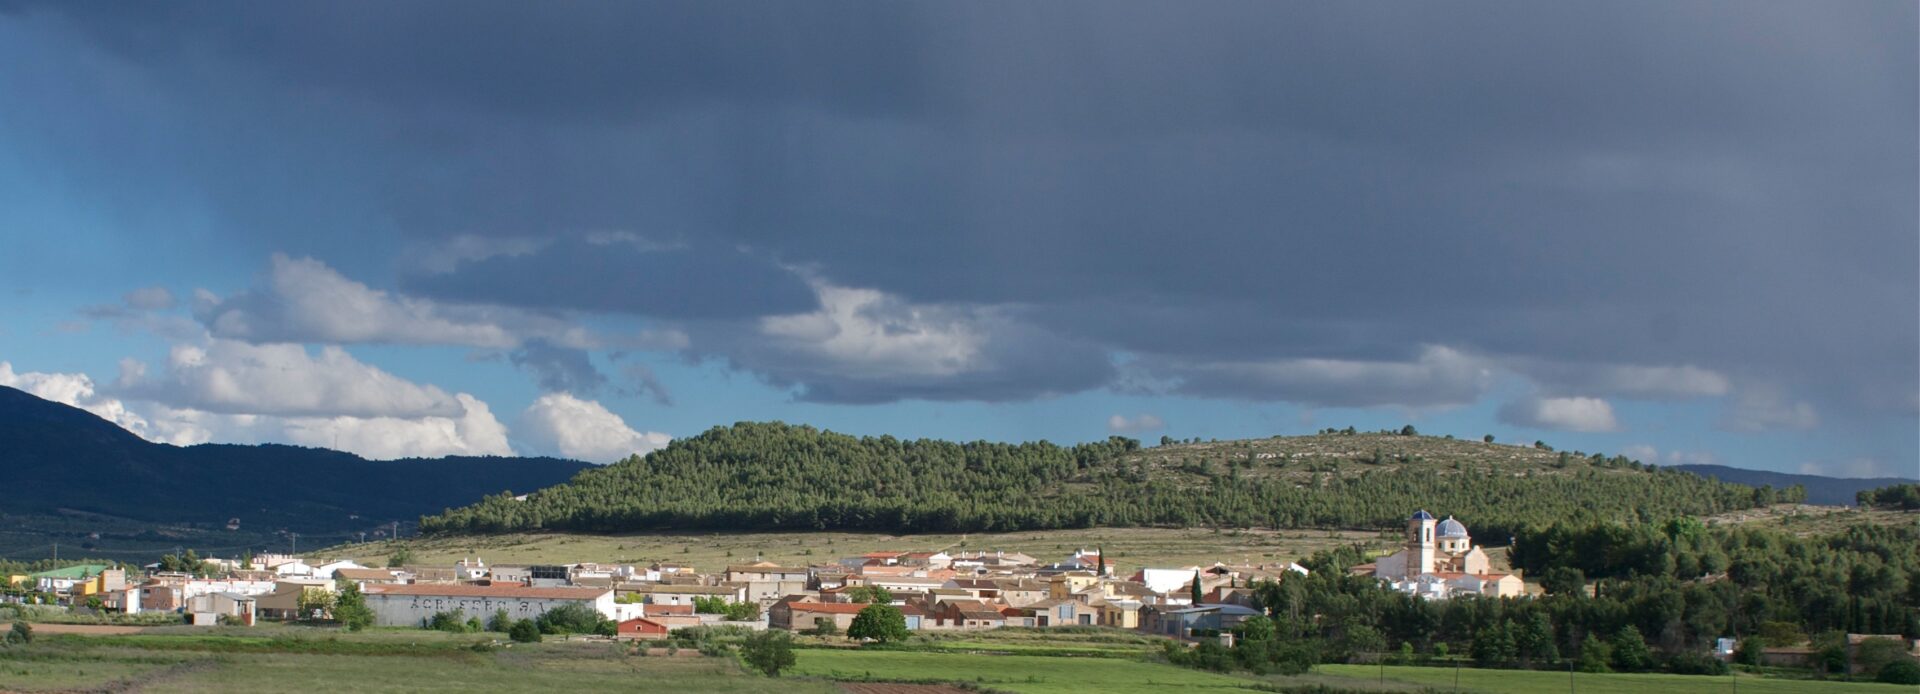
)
(1535, 681)
(1130, 547)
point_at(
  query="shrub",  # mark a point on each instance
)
(524, 631)
(1900, 672)
(882, 623)
(768, 651)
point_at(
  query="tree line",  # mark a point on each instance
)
(1620, 597)
(774, 476)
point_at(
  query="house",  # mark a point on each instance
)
(365, 577)
(208, 609)
(414, 604)
(767, 582)
(964, 614)
(1061, 612)
(931, 560)
(61, 581)
(800, 615)
(641, 628)
(1063, 585)
(283, 602)
(1123, 614)
(667, 594)
(1181, 621)
(1020, 592)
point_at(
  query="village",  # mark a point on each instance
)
(931, 590)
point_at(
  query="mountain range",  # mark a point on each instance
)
(1825, 491)
(59, 460)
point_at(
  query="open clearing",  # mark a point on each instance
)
(1535, 681)
(279, 658)
(713, 551)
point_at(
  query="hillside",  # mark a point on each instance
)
(767, 476)
(1823, 491)
(77, 465)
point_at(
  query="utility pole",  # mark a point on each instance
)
(293, 540)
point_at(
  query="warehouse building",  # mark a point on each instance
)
(411, 605)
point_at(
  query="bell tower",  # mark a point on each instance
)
(1420, 544)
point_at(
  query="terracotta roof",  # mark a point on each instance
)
(828, 607)
(494, 591)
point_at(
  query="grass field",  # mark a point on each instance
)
(710, 551)
(1541, 682)
(287, 658)
(1018, 673)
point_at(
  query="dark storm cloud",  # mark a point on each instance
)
(558, 369)
(620, 275)
(1254, 198)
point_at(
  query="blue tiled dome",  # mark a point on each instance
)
(1422, 515)
(1452, 528)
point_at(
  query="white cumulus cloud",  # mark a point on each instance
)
(232, 377)
(1565, 414)
(1121, 424)
(584, 430)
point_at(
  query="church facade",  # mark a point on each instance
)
(1440, 561)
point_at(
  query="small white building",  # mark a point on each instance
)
(414, 604)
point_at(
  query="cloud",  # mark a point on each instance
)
(228, 376)
(304, 300)
(1565, 414)
(1120, 424)
(1438, 376)
(1623, 380)
(558, 369)
(865, 346)
(646, 383)
(1762, 408)
(584, 430)
(150, 299)
(1647, 453)
(625, 274)
(75, 390)
(470, 429)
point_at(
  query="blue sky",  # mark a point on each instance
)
(1684, 233)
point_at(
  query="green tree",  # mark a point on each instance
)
(315, 602)
(1195, 592)
(1595, 654)
(882, 623)
(869, 594)
(1564, 580)
(500, 622)
(524, 631)
(401, 557)
(1493, 646)
(21, 633)
(1488, 438)
(350, 607)
(1900, 672)
(768, 651)
(1630, 652)
(825, 626)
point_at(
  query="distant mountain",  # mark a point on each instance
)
(1826, 491)
(60, 459)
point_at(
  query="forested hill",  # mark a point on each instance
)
(56, 458)
(778, 476)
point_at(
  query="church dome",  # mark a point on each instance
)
(1452, 528)
(1422, 515)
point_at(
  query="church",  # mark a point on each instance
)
(1440, 561)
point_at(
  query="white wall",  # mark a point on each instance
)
(412, 610)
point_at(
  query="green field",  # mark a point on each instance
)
(1017, 673)
(1537, 682)
(288, 658)
(1130, 548)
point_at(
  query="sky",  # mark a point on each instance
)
(1683, 232)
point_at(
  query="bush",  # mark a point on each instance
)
(1900, 672)
(825, 626)
(501, 622)
(524, 631)
(21, 633)
(454, 622)
(350, 607)
(1696, 664)
(882, 623)
(575, 618)
(768, 651)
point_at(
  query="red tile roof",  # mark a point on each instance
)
(493, 591)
